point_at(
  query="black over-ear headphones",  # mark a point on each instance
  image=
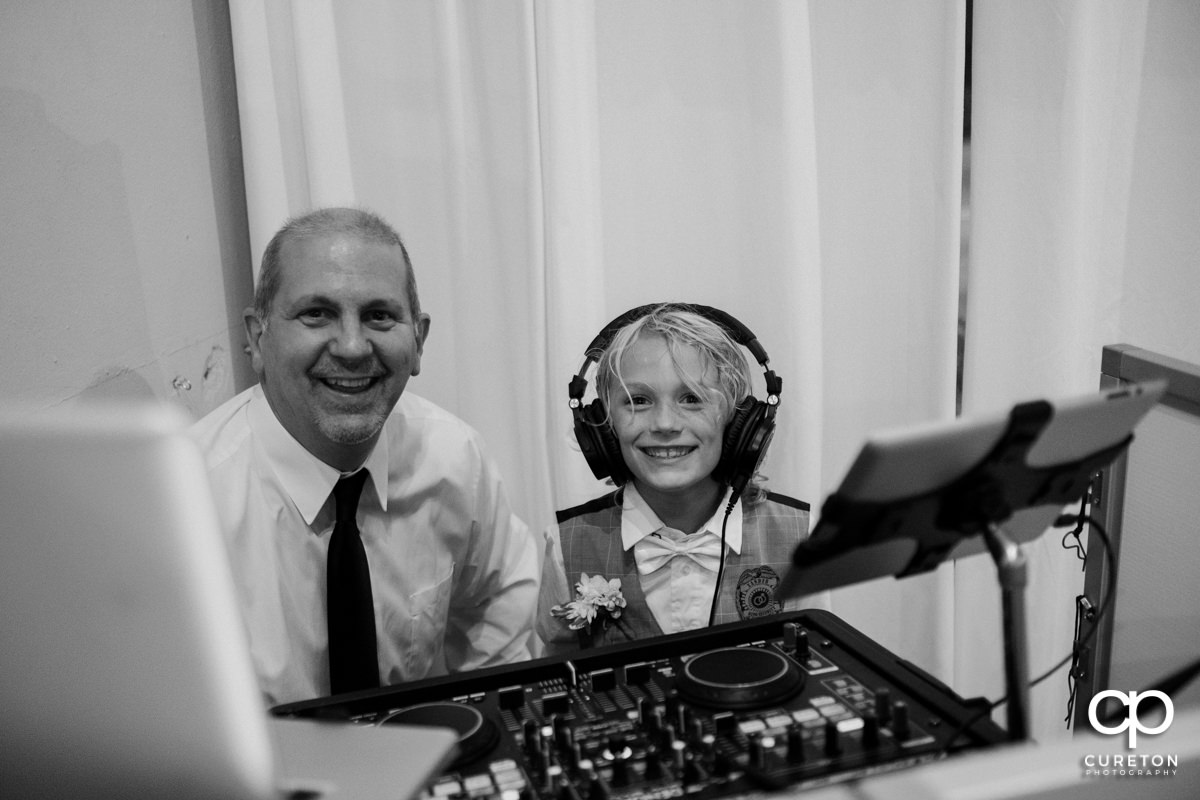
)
(747, 433)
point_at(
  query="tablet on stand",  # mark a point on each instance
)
(919, 496)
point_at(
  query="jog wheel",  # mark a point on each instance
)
(739, 677)
(477, 734)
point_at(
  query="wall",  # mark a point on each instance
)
(125, 255)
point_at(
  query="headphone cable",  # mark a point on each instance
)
(712, 611)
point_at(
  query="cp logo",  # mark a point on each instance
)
(1132, 722)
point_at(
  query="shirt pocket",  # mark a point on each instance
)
(428, 611)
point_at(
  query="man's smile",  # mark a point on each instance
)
(348, 385)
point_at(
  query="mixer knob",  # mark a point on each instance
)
(693, 772)
(883, 706)
(833, 742)
(597, 788)
(562, 730)
(678, 753)
(645, 710)
(531, 735)
(795, 744)
(620, 769)
(667, 735)
(790, 630)
(900, 720)
(870, 730)
(802, 650)
(654, 768)
(755, 751)
(567, 791)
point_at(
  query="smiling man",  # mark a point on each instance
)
(369, 533)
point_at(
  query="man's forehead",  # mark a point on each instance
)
(333, 259)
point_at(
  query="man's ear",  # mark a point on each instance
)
(420, 333)
(255, 328)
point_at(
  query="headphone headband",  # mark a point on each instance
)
(730, 324)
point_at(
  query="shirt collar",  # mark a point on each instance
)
(638, 520)
(307, 479)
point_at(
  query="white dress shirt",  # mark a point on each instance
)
(454, 573)
(679, 590)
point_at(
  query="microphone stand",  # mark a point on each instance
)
(1011, 569)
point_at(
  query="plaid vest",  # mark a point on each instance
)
(771, 528)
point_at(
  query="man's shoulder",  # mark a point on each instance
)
(225, 429)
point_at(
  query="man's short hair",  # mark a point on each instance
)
(366, 225)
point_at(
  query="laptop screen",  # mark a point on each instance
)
(125, 666)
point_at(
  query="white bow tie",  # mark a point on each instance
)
(654, 552)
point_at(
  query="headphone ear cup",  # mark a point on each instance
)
(747, 435)
(598, 444)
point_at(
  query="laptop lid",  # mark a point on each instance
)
(886, 514)
(125, 666)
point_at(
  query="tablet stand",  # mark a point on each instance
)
(976, 503)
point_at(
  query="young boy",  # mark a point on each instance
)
(676, 428)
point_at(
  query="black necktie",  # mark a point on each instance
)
(350, 614)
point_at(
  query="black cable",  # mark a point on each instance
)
(712, 611)
(1104, 606)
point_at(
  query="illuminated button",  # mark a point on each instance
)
(509, 778)
(779, 721)
(848, 725)
(475, 783)
(447, 788)
(502, 765)
(806, 715)
(822, 700)
(752, 726)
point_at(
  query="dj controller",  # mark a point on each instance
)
(788, 701)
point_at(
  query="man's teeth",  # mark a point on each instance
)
(666, 452)
(349, 384)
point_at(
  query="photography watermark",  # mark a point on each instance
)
(1130, 764)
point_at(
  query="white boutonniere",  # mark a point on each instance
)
(598, 602)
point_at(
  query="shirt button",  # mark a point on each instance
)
(687, 570)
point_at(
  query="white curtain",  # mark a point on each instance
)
(1083, 233)
(550, 165)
